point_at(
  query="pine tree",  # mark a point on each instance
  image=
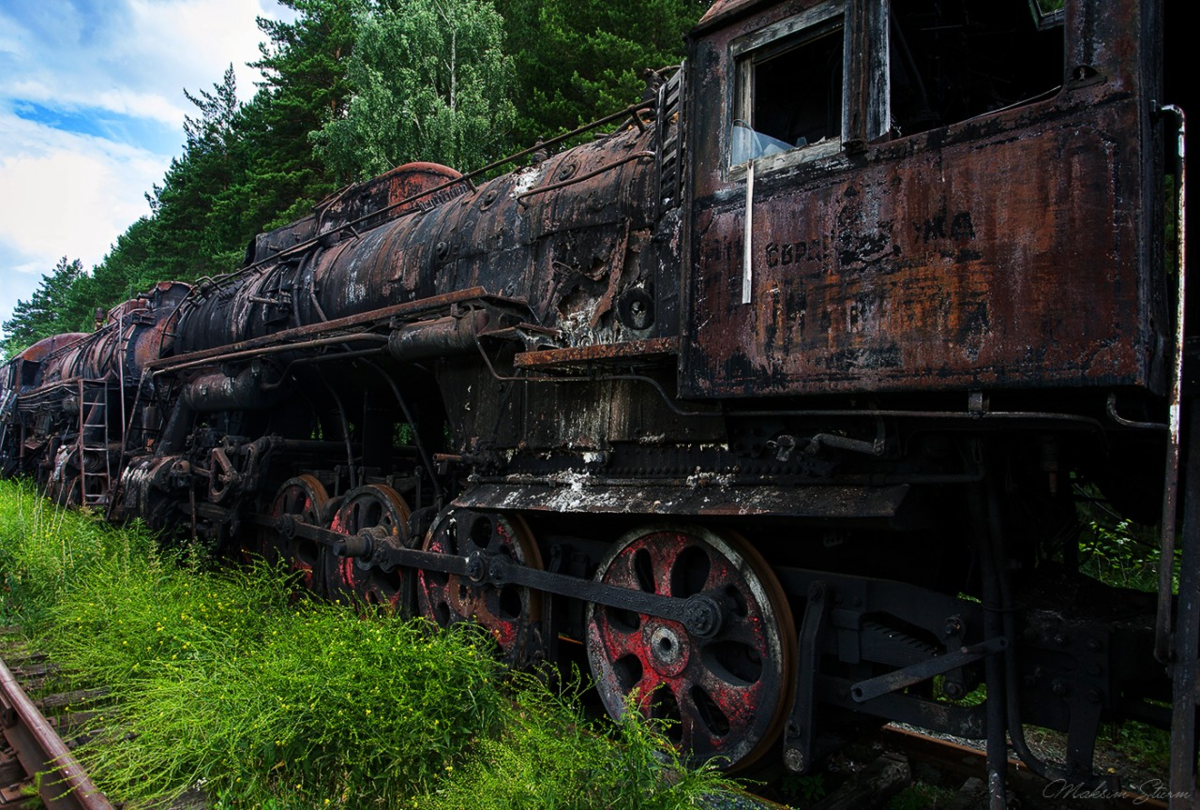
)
(577, 60)
(305, 86)
(50, 310)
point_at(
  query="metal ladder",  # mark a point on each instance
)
(6, 404)
(94, 485)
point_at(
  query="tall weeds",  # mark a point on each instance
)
(235, 683)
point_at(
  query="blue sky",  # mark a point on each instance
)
(91, 113)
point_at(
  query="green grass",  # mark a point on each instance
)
(922, 796)
(1146, 746)
(233, 682)
(46, 551)
(228, 683)
(550, 756)
(1117, 551)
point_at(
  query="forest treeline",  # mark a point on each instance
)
(351, 89)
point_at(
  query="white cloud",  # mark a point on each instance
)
(64, 193)
(77, 192)
(135, 57)
(200, 38)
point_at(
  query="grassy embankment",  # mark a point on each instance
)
(270, 700)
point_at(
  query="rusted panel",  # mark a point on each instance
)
(564, 250)
(38, 351)
(945, 270)
(403, 190)
(605, 351)
(704, 498)
(335, 331)
(134, 333)
(723, 10)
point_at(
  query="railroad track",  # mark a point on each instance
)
(36, 761)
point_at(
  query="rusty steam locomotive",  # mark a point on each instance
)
(773, 402)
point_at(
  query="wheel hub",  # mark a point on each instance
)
(372, 516)
(669, 649)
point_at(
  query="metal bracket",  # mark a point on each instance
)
(799, 736)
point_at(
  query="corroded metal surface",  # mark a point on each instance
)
(509, 613)
(884, 342)
(371, 508)
(700, 498)
(727, 690)
(606, 351)
(952, 259)
(564, 250)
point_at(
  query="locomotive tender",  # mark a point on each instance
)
(773, 403)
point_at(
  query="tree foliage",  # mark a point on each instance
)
(431, 83)
(304, 62)
(576, 59)
(54, 307)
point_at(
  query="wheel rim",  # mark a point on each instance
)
(511, 612)
(303, 497)
(728, 694)
(368, 507)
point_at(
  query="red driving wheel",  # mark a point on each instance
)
(725, 696)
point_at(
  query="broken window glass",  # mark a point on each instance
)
(790, 79)
(916, 65)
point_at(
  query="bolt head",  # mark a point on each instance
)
(704, 616)
(793, 758)
(475, 567)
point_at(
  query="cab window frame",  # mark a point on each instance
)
(862, 25)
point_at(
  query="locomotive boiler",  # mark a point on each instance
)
(771, 403)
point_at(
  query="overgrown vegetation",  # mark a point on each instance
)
(1121, 554)
(1117, 551)
(233, 682)
(47, 553)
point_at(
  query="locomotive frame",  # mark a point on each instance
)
(769, 404)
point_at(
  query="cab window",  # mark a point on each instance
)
(789, 80)
(846, 73)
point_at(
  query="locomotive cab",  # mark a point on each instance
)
(923, 242)
(911, 196)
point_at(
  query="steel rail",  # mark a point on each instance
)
(64, 785)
